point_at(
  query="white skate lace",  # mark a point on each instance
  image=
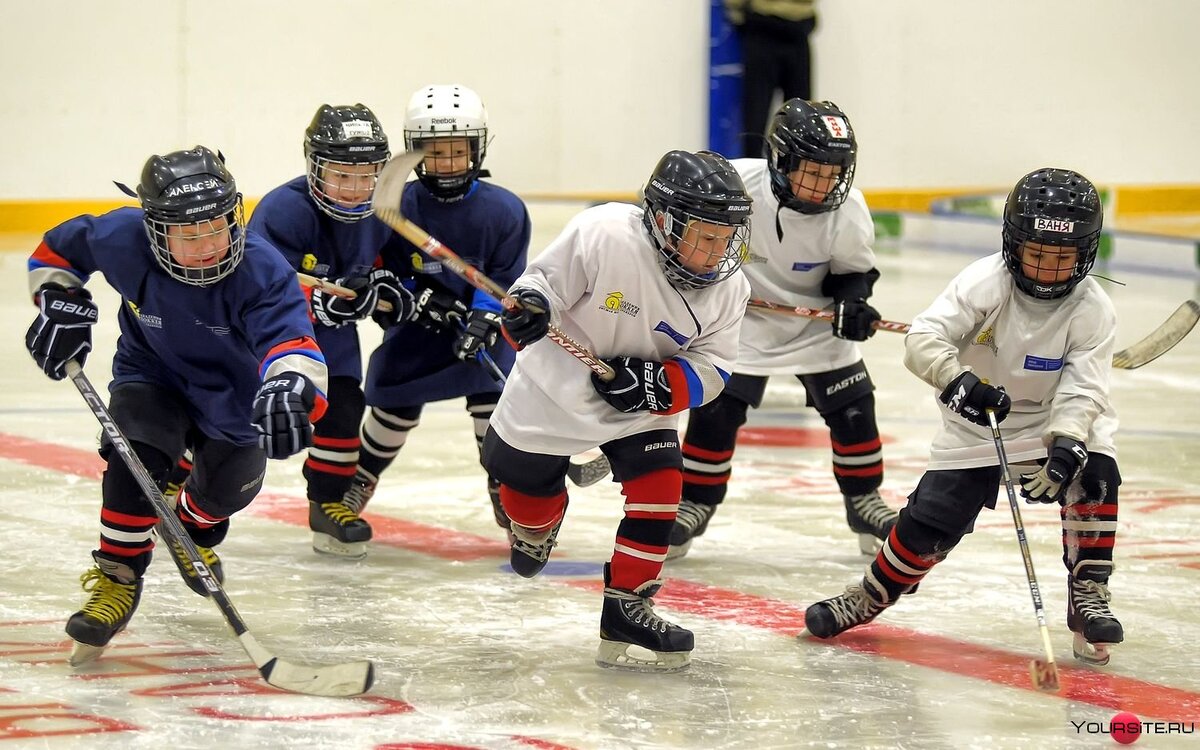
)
(854, 607)
(638, 609)
(1091, 599)
(534, 544)
(872, 510)
(359, 494)
(691, 515)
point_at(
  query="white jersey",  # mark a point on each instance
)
(1053, 358)
(790, 271)
(607, 291)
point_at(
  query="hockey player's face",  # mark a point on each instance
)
(199, 245)
(703, 245)
(447, 156)
(348, 185)
(812, 181)
(1048, 264)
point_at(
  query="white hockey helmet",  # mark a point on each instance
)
(447, 111)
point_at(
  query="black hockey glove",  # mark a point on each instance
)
(439, 310)
(63, 328)
(640, 385)
(330, 310)
(281, 409)
(852, 319)
(970, 398)
(523, 326)
(389, 289)
(1064, 462)
(483, 326)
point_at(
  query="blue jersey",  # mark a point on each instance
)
(489, 228)
(319, 245)
(213, 345)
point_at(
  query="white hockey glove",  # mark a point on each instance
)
(1065, 462)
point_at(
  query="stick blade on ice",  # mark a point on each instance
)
(1161, 340)
(1044, 675)
(331, 681)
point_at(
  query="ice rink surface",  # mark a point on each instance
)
(471, 656)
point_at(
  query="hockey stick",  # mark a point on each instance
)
(825, 315)
(335, 680)
(1044, 673)
(1159, 342)
(1161, 339)
(389, 190)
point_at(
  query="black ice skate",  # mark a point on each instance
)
(831, 617)
(691, 522)
(115, 591)
(628, 622)
(337, 528)
(531, 549)
(1088, 615)
(209, 557)
(870, 518)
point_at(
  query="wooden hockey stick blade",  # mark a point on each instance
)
(1161, 340)
(825, 315)
(1044, 675)
(587, 473)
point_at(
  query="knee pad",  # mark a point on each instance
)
(344, 414)
(714, 426)
(119, 483)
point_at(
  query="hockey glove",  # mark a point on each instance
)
(483, 326)
(281, 409)
(640, 385)
(387, 285)
(330, 310)
(970, 398)
(63, 328)
(439, 310)
(523, 326)
(852, 319)
(1065, 461)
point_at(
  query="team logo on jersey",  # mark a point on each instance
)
(665, 327)
(753, 257)
(615, 302)
(1042, 224)
(1042, 364)
(987, 338)
(802, 266)
(218, 330)
(308, 263)
(146, 319)
(420, 265)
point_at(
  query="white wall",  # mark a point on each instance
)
(586, 95)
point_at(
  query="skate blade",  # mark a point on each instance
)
(83, 653)
(615, 655)
(1095, 654)
(675, 552)
(327, 545)
(868, 544)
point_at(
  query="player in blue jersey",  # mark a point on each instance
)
(322, 224)
(216, 355)
(437, 358)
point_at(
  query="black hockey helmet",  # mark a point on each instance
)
(810, 131)
(690, 187)
(338, 136)
(193, 189)
(1055, 207)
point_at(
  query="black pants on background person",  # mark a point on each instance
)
(775, 56)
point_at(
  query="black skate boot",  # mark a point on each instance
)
(337, 528)
(691, 522)
(531, 549)
(870, 518)
(211, 560)
(1088, 615)
(856, 606)
(502, 519)
(628, 621)
(115, 590)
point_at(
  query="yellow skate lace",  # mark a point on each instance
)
(339, 513)
(110, 601)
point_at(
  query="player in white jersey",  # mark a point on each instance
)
(1026, 334)
(811, 248)
(655, 292)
